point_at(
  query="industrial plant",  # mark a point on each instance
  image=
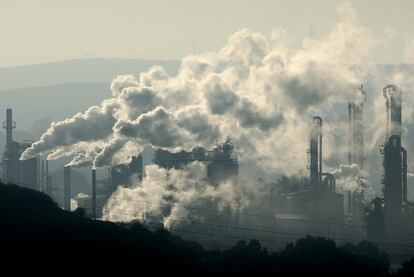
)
(391, 218)
(313, 205)
(24, 173)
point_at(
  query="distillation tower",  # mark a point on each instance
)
(16, 171)
(395, 156)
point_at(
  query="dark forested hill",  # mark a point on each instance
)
(33, 229)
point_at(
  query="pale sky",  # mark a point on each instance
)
(38, 31)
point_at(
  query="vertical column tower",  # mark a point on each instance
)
(93, 193)
(66, 187)
(395, 156)
(315, 149)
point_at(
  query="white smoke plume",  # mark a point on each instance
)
(348, 178)
(171, 197)
(252, 90)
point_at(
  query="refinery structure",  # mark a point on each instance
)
(24, 173)
(315, 206)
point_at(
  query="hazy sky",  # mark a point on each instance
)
(50, 30)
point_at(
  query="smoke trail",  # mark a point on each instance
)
(252, 90)
(255, 90)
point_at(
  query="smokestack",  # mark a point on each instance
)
(320, 150)
(11, 163)
(48, 186)
(93, 193)
(46, 171)
(395, 156)
(316, 153)
(350, 108)
(350, 159)
(66, 187)
(42, 176)
(349, 202)
(393, 100)
(9, 126)
(404, 174)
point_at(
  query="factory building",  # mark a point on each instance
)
(221, 162)
(318, 202)
(94, 202)
(23, 173)
(222, 165)
(312, 207)
(91, 202)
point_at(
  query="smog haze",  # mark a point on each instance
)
(210, 136)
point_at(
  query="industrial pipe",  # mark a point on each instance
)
(66, 187)
(94, 193)
(404, 174)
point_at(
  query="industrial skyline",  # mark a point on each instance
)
(295, 204)
(284, 122)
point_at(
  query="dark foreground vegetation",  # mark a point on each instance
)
(35, 232)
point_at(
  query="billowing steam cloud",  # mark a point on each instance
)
(349, 178)
(171, 197)
(252, 90)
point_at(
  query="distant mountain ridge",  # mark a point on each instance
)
(76, 71)
(98, 70)
(50, 103)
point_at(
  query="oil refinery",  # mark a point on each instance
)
(313, 206)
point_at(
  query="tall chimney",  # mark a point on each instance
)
(315, 149)
(46, 171)
(42, 176)
(94, 193)
(349, 202)
(9, 126)
(66, 187)
(350, 132)
(395, 156)
(11, 163)
(393, 99)
(404, 175)
(48, 185)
